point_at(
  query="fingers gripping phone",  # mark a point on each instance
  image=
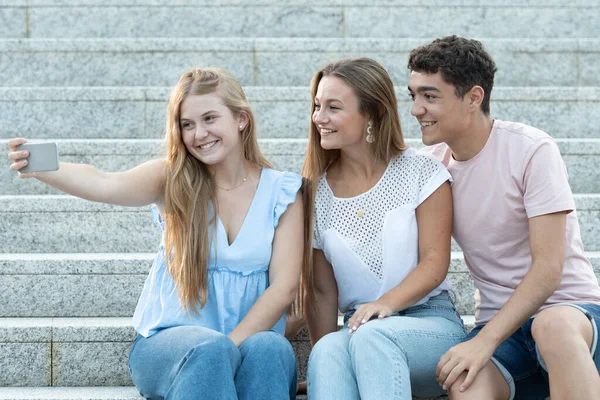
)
(42, 157)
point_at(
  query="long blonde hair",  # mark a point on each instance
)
(377, 99)
(190, 188)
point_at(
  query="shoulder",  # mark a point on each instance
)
(416, 158)
(281, 180)
(284, 189)
(516, 135)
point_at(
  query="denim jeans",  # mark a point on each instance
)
(196, 363)
(389, 358)
(521, 363)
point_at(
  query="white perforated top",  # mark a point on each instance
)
(371, 240)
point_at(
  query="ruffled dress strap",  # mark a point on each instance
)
(156, 218)
(290, 184)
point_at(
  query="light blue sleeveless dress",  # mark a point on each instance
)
(238, 273)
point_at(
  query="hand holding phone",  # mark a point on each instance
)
(33, 157)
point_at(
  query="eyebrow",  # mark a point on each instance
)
(203, 115)
(329, 100)
(422, 89)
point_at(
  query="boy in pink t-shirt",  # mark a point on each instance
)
(538, 301)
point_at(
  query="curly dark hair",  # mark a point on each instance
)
(461, 62)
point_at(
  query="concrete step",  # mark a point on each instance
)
(65, 224)
(582, 157)
(272, 61)
(108, 285)
(75, 352)
(94, 393)
(70, 393)
(281, 112)
(380, 18)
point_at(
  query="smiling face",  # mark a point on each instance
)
(209, 129)
(336, 115)
(442, 115)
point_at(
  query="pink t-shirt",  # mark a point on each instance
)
(519, 174)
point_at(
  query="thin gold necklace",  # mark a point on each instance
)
(236, 186)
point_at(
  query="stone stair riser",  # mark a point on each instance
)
(272, 62)
(378, 19)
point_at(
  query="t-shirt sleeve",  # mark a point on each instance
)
(546, 187)
(290, 184)
(433, 175)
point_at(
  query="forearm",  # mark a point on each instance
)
(263, 315)
(537, 286)
(321, 315)
(79, 180)
(428, 275)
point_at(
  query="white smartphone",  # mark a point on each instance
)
(42, 157)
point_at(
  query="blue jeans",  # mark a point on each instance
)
(389, 358)
(521, 364)
(196, 363)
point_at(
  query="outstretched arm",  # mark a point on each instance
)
(139, 186)
(284, 275)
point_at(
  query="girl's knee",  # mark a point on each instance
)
(267, 344)
(328, 346)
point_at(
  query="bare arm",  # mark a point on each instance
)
(322, 310)
(434, 217)
(139, 186)
(547, 235)
(284, 276)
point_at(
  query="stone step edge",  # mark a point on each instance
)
(270, 93)
(75, 263)
(70, 393)
(303, 3)
(79, 393)
(93, 329)
(283, 45)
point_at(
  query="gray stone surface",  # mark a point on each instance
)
(208, 21)
(515, 3)
(268, 62)
(281, 112)
(302, 19)
(90, 364)
(69, 231)
(25, 330)
(12, 23)
(496, 21)
(69, 295)
(73, 393)
(25, 364)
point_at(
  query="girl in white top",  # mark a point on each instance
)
(382, 224)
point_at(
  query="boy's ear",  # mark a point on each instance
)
(475, 96)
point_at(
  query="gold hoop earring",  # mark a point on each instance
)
(370, 137)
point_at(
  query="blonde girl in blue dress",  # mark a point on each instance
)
(211, 316)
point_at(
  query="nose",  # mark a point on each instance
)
(200, 132)
(417, 108)
(319, 117)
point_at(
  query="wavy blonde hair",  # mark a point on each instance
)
(373, 86)
(190, 187)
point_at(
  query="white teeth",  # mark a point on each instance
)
(208, 145)
(328, 130)
(427, 123)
